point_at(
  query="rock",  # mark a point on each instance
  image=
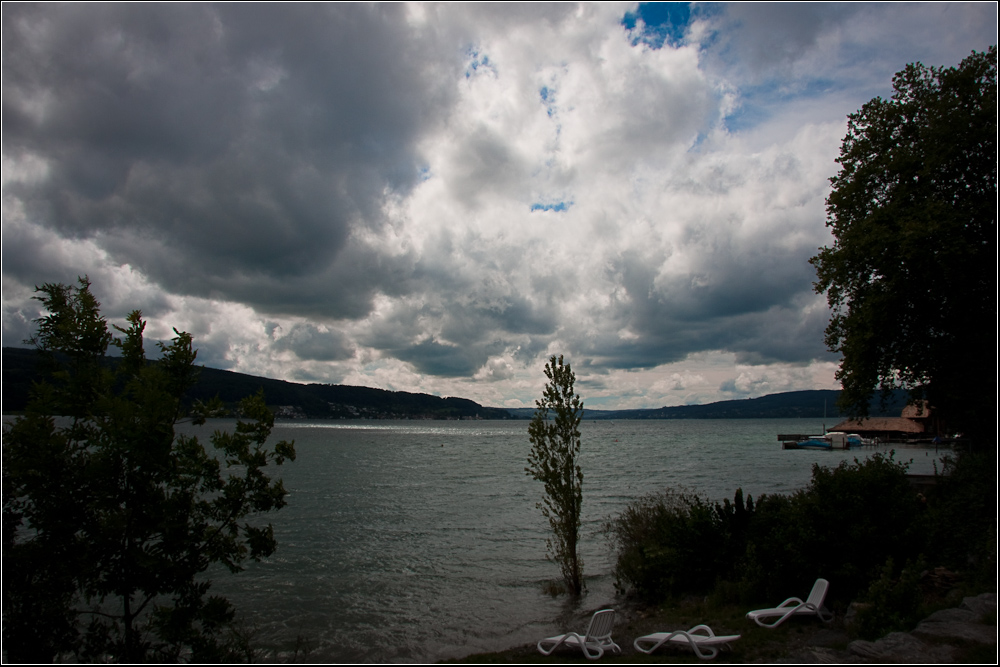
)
(827, 637)
(814, 655)
(981, 605)
(901, 647)
(960, 624)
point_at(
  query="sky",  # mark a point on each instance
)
(437, 198)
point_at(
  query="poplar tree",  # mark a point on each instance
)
(554, 461)
(110, 518)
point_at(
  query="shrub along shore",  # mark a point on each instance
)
(892, 556)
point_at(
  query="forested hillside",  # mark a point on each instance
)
(322, 401)
(287, 398)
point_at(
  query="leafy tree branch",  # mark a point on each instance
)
(111, 520)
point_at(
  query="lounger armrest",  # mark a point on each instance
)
(782, 617)
(705, 653)
(707, 631)
(797, 601)
(658, 639)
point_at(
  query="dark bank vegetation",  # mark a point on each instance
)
(861, 526)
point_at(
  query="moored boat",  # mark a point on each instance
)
(828, 441)
(815, 442)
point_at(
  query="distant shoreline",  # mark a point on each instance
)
(326, 401)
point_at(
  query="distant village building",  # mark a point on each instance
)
(914, 422)
(289, 412)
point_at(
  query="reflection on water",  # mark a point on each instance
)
(417, 541)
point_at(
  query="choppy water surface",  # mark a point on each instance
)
(416, 541)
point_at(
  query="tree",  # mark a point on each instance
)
(911, 276)
(553, 461)
(110, 518)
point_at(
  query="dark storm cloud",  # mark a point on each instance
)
(791, 333)
(471, 327)
(485, 164)
(226, 151)
(26, 253)
(767, 34)
(743, 298)
(312, 343)
(434, 358)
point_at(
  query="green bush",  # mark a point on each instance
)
(962, 517)
(774, 564)
(842, 527)
(893, 603)
(674, 543)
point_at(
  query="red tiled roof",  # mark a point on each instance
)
(890, 424)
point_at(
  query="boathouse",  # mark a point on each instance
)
(914, 422)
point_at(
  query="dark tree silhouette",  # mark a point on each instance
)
(553, 461)
(911, 276)
(110, 518)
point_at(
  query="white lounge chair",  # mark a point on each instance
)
(813, 606)
(593, 644)
(700, 638)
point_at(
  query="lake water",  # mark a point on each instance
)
(416, 541)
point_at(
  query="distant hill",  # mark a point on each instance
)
(289, 399)
(806, 404)
(329, 401)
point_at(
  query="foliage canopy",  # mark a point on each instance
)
(110, 518)
(553, 461)
(911, 276)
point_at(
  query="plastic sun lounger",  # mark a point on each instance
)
(701, 639)
(593, 643)
(813, 606)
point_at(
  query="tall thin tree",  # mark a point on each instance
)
(554, 461)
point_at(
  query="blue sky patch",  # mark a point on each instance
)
(548, 96)
(479, 61)
(666, 22)
(758, 103)
(561, 206)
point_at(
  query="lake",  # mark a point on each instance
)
(415, 541)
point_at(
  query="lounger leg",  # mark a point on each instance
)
(710, 652)
(596, 656)
(555, 645)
